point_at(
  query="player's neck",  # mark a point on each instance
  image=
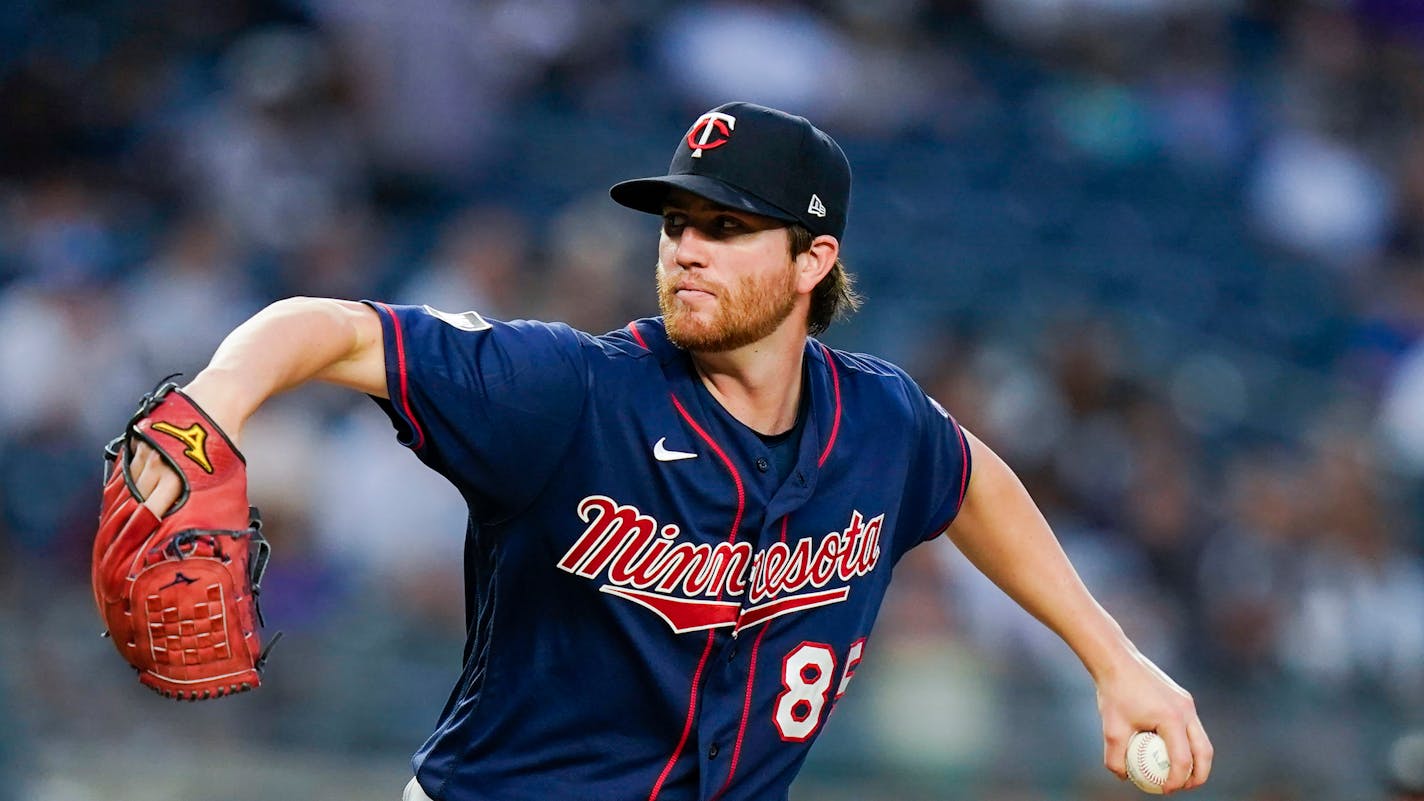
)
(759, 384)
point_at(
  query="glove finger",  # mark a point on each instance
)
(119, 545)
(112, 520)
(115, 489)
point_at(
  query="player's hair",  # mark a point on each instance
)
(832, 299)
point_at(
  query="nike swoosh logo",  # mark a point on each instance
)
(662, 454)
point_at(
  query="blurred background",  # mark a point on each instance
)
(1166, 256)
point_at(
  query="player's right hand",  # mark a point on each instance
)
(1139, 696)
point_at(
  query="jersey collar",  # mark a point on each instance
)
(824, 377)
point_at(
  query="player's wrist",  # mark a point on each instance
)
(225, 398)
(1108, 654)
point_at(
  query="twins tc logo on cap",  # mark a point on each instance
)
(783, 167)
(712, 129)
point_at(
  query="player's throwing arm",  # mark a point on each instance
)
(1004, 535)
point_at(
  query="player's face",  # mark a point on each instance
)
(725, 278)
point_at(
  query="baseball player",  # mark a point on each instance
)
(681, 531)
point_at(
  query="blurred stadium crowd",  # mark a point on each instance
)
(1167, 256)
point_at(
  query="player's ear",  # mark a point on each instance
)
(817, 260)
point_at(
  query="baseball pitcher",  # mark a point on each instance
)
(680, 532)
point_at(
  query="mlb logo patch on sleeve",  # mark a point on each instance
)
(465, 321)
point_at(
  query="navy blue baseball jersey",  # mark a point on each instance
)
(653, 611)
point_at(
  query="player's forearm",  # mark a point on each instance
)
(287, 344)
(1002, 532)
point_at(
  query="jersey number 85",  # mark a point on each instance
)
(806, 685)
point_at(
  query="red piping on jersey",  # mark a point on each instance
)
(633, 329)
(404, 388)
(687, 726)
(711, 634)
(963, 459)
(731, 468)
(963, 477)
(836, 423)
(747, 699)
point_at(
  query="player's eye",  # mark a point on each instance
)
(673, 221)
(726, 224)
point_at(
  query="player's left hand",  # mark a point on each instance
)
(1137, 696)
(179, 554)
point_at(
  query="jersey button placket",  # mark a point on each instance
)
(762, 464)
(712, 751)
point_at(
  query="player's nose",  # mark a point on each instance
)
(693, 248)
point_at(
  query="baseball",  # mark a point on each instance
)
(1147, 762)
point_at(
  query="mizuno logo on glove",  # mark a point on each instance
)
(194, 437)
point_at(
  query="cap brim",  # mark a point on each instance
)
(649, 194)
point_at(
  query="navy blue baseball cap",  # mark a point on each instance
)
(757, 159)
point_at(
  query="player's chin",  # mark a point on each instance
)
(694, 331)
(684, 335)
(689, 319)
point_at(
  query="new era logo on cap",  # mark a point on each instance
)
(755, 159)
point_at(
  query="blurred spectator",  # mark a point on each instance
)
(932, 706)
(1319, 197)
(1404, 767)
(276, 154)
(179, 306)
(1400, 422)
(341, 258)
(780, 54)
(60, 368)
(1250, 570)
(1045, 21)
(1195, 107)
(595, 279)
(1314, 189)
(382, 518)
(437, 82)
(479, 263)
(899, 76)
(1164, 513)
(16, 739)
(1360, 613)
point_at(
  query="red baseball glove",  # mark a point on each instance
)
(179, 594)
